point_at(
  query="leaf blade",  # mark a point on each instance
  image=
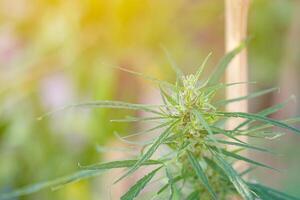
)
(260, 118)
(139, 186)
(249, 96)
(236, 180)
(222, 65)
(201, 174)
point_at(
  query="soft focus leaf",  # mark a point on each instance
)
(220, 69)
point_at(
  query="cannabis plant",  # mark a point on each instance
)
(198, 163)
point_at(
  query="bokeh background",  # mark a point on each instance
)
(58, 52)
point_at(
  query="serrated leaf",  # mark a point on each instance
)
(109, 104)
(234, 177)
(245, 145)
(139, 186)
(249, 96)
(150, 151)
(137, 119)
(228, 133)
(119, 164)
(242, 158)
(265, 112)
(54, 184)
(147, 131)
(219, 86)
(222, 65)
(260, 118)
(266, 126)
(266, 193)
(201, 174)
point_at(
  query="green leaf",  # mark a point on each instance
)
(260, 118)
(54, 184)
(139, 186)
(204, 124)
(194, 196)
(249, 96)
(247, 171)
(215, 167)
(140, 143)
(137, 119)
(175, 180)
(245, 145)
(201, 174)
(228, 133)
(177, 70)
(242, 158)
(234, 177)
(89, 171)
(119, 164)
(265, 112)
(148, 130)
(266, 193)
(109, 104)
(201, 68)
(270, 135)
(265, 126)
(214, 88)
(155, 80)
(168, 99)
(202, 121)
(219, 71)
(160, 140)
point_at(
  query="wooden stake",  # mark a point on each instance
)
(236, 14)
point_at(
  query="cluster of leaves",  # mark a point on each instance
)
(198, 165)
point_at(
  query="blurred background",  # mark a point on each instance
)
(58, 52)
